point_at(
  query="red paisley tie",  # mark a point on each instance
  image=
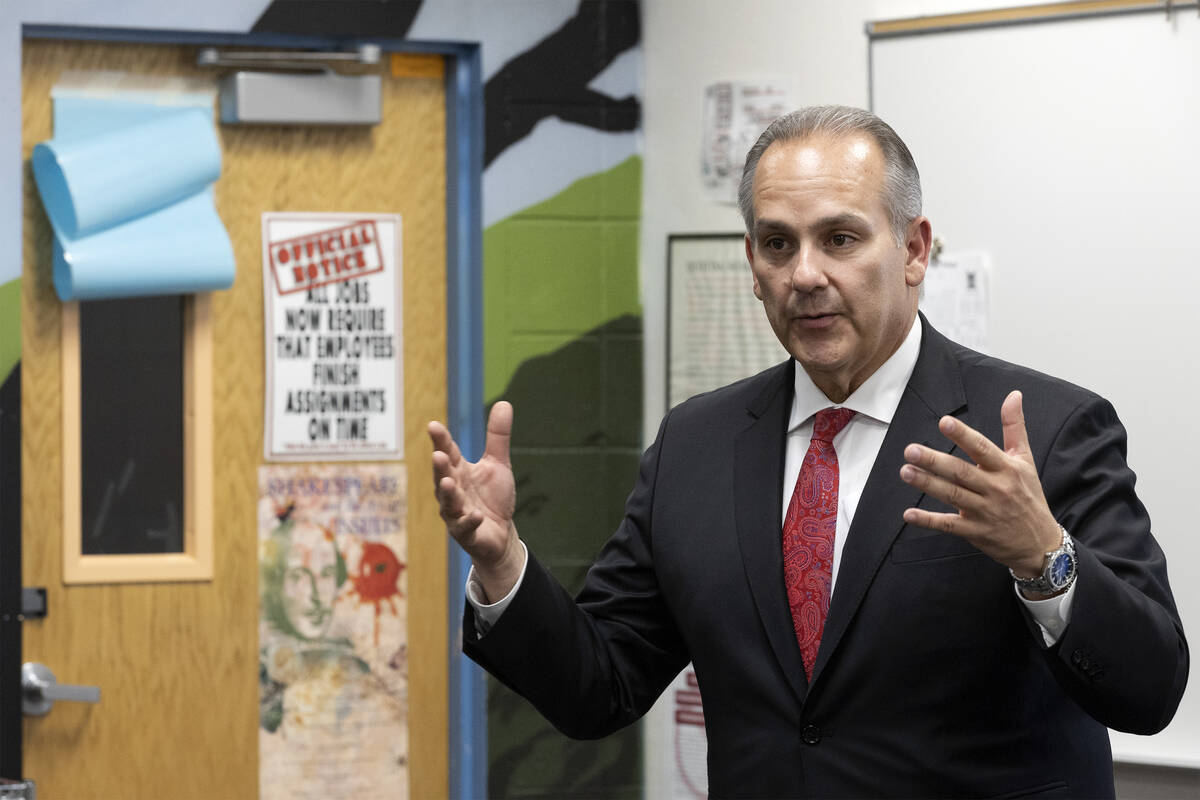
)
(808, 533)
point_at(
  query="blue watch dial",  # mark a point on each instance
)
(1060, 569)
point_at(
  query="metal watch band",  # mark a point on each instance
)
(1042, 584)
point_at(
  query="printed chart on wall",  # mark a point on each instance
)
(717, 330)
(333, 676)
(331, 288)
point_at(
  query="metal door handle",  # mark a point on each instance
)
(39, 690)
(11, 789)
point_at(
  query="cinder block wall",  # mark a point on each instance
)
(563, 343)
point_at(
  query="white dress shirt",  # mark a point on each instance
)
(857, 445)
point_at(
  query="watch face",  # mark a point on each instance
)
(1060, 569)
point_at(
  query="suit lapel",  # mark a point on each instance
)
(757, 468)
(935, 389)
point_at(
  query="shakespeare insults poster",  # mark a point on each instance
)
(331, 291)
(333, 670)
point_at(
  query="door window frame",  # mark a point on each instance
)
(195, 562)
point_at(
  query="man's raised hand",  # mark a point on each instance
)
(1001, 507)
(477, 501)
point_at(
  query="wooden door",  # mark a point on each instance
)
(177, 662)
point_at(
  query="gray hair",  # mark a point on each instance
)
(901, 181)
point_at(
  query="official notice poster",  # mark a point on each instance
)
(333, 670)
(334, 364)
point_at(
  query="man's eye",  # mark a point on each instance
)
(775, 243)
(840, 240)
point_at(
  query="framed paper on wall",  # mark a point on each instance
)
(717, 332)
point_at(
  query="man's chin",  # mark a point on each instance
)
(824, 364)
(820, 349)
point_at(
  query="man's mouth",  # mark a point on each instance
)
(816, 320)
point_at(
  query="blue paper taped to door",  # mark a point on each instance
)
(127, 185)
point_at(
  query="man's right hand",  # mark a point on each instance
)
(477, 501)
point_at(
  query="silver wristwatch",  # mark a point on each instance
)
(1058, 569)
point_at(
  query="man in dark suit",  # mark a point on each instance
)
(957, 596)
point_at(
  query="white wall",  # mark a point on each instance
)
(819, 46)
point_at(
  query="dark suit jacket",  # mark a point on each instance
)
(931, 679)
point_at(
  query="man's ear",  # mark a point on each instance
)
(918, 243)
(750, 259)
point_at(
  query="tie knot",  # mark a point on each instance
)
(830, 422)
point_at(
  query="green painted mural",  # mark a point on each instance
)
(563, 343)
(557, 269)
(10, 326)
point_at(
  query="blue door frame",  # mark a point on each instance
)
(467, 710)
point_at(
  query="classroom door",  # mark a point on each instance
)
(177, 663)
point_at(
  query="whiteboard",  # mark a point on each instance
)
(1069, 151)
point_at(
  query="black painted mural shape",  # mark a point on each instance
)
(551, 79)
(548, 80)
(391, 18)
(576, 444)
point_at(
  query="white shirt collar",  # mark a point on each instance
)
(879, 394)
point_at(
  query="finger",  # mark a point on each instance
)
(948, 492)
(463, 529)
(453, 508)
(934, 521)
(982, 450)
(441, 469)
(443, 441)
(499, 431)
(439, 434)
(451, 499)
(1012, 421)
(952, 468)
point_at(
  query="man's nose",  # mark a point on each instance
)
(808, 270)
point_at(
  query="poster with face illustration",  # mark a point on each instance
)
(333, 676)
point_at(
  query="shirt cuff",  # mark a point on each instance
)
(1051, 614)
(486, 614)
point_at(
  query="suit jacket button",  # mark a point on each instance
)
(1078, 656)
(811, 734)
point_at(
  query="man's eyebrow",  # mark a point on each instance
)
(848, 218)
(839, 220)
(762, 226)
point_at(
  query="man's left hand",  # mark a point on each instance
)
(1001, 507)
